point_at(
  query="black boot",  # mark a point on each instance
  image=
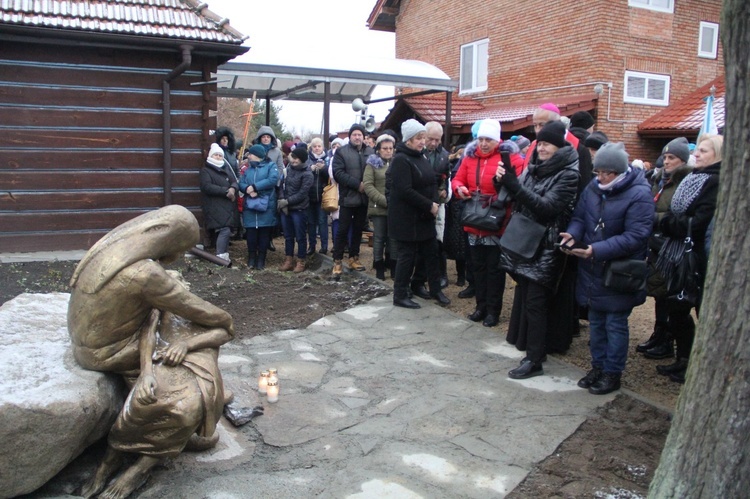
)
(679, 376)
(677, 366)
(657, 337)
(608, 383)
(461, 273)
(405, 303)
(469, 292)
(261, 262)
(392, 268)
(379, 266)
(441, 299)
(664, 350)
(591, 377)
(420, 291)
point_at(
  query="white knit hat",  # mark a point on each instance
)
(215, 148)
(410, 128)
(489, 129)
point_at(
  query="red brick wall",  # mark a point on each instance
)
(540, 44)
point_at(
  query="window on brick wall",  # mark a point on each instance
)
(646, 88)
(708, 40)
(660, 5)
(474, 66)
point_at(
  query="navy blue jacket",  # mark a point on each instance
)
(617, 225)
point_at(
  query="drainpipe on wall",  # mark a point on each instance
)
(166, 110)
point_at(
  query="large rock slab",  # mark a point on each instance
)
(50, 408)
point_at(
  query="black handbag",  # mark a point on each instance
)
(626, 275)
(523, 236)
(483, 211)
(680, 267)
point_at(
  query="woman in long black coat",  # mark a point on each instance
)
(219, 187)
(412, 208)
(546, 193)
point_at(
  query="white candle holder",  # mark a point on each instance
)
(263, 382)
(272, 392)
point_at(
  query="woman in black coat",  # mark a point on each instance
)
(412, 208)
(693, 206)
(219, 187)
(546, 193)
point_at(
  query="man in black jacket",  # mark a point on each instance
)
(348, 170)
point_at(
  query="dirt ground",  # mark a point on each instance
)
(613, 454)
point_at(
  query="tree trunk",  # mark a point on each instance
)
(706, 453)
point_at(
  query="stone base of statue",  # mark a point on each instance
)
(51, 409)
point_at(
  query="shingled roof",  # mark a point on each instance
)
(513, 116)
(685, 116)
(172, 19)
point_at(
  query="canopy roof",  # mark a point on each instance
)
(304, 80)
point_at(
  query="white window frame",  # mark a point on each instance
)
(645, 100)
(714, 42)
(647, 4)
(475, 85)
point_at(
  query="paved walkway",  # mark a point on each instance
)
(380, 402)
(376, 402)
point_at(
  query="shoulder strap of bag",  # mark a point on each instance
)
(477, 172)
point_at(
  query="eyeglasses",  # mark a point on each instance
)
(604, 174)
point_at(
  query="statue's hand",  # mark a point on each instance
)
(175, 353)
(145, 390)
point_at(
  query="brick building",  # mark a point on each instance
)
(623, 60)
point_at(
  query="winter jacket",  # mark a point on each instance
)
(348, 170)
(230, 150)
(263, 176)
(441, 164)
(218, 210)
(546, 193)
(413, 190)
(374, 181)
(617, 225)
(272, 151)
(487, 164)
(320, 177)
(296, 187)
(701, 210)
(662, 194)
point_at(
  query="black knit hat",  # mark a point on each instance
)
(552, 133)
(359, 127)
(581, 119)
(596, 140)
(300, 153)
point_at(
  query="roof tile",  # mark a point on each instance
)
(181, 19)
(686, 114)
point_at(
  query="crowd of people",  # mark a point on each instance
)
(575, 211)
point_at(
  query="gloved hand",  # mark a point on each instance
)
(510, 180)
(282, 204)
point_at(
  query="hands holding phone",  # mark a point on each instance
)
(572, 247)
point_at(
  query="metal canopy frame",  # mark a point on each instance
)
(337, 84)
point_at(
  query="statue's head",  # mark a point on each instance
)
(161, 234)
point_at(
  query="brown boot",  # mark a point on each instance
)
(288, 264)
(300, 267)
(338, 268)
(355, 265)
